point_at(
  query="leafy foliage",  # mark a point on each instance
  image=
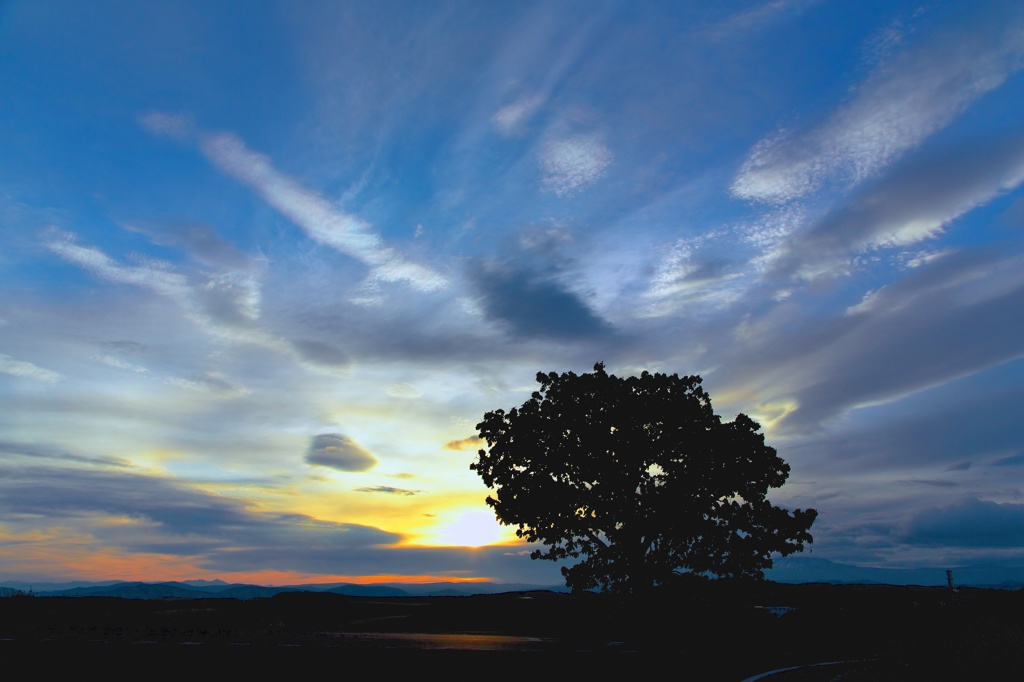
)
(639, 479)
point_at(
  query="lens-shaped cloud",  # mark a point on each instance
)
(338, 451)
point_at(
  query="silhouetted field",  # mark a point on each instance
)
(720, 631)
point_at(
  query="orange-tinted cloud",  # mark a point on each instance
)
(464, 444)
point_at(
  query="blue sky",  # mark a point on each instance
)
(265, 265)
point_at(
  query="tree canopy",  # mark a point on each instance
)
(638, 479)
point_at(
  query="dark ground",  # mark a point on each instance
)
(714, 631)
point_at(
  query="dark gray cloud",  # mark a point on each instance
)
(338, 451)
(322, 353)
(387, 490)
(931, 482)
(533, 305)
(975, 417)
(124, 347)
(200, 242)
(968, 523)
(948, 320)
(69, 493)
(226, 534)
(166, 514)
(229, 298)
(57, 453)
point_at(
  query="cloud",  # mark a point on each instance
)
(210, 383)
(757, 18)
(42, 451)
(902, 102)
(177, 126)
(54, 493)
(532, 305)
(387, 490)
(338, 451)
(21, 368)
(147, 515)
(225, 303)
(112, 361)
(571, 163)
(968, 523)
(913, 202)
(1015, 460)
(322, 353)
(316, 217)
(512, 118)
(953, 427)
(688, 277)
(152, 514)
(200, 242)
(941, 322)
(404, 391)
(470, 443)
(151, 273)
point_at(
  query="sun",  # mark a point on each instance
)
(473, 529)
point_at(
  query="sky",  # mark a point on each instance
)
(265, 265)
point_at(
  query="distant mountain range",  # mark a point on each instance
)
(792, 569)
(800, 569)
(206, 589)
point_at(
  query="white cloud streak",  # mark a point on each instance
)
(903, 102)
(316, 217)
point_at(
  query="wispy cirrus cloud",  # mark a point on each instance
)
(905, 100)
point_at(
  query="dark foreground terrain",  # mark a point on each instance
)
(721, 631)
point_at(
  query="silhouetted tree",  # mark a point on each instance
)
(639, 479)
